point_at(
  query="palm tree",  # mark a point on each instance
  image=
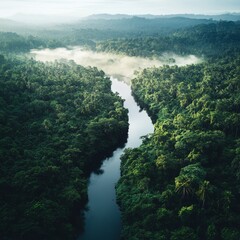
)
(183, 186)
(203, 189)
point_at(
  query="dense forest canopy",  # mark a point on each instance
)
(15, 43)
(57, 121)
(90, 31)
(183, 182)
(210, 40)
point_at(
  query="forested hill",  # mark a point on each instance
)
(87, 30)
(141, 24)
(219, 17)
(132, 24)
(13, 43)
(57, 121)
(132, 36)
(210, 40)
(183, 182)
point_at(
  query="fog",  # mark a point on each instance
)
(120, 66)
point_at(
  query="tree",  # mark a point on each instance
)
(189, 179)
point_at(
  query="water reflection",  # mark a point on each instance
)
(103, 220)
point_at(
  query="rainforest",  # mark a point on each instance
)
(120, 126)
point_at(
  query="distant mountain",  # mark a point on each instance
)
(224, 17)
(106, 26)
(136, 24)
(106, 16)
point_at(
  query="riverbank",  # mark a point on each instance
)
(103, 217)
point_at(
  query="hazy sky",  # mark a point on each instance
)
(82, 8)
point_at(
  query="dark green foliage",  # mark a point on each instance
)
(210, 40)
(183, 182)
(56, 122)
(13, 43)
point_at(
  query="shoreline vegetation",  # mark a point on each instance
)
(183, 182)
(58, 121)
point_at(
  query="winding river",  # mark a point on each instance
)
(102, 219)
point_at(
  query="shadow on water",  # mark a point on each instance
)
(95, 165)
(102, 215)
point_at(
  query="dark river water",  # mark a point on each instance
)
(103, 217)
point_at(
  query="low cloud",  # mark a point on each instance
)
(115, 65)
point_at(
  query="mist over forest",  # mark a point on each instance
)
(113, 64)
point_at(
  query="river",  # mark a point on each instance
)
(102, 219)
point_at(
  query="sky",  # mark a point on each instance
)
(82, 8)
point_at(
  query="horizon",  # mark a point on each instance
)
(40, 19)
(74, 9)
